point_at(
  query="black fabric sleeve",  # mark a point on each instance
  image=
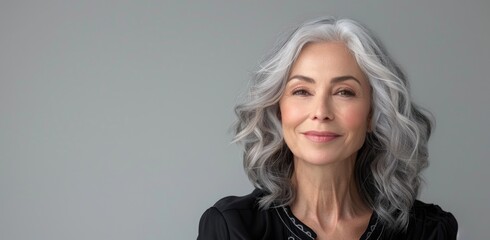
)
(212, 226)
(430, 222)
(447, 228)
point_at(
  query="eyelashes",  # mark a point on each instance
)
(346, 93)
(340, 92)
(301, 92)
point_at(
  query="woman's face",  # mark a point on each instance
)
(325, 108)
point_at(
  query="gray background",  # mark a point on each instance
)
(115, 114)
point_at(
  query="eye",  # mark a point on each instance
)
(301, 92)
(346, 93)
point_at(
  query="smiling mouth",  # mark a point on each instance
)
(321, 137)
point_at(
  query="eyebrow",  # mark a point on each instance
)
(334, 80)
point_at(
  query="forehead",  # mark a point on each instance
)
(328, 59)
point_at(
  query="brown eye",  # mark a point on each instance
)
(301, 92)
(346, 93)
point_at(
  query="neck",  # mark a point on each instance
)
(327, 193)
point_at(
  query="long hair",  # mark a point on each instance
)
(388, 165)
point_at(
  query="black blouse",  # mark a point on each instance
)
(240, 218)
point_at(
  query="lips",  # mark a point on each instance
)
(321, 136)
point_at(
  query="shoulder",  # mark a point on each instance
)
(242, 203)
(231, 217)
(431, 220)
(428, 212)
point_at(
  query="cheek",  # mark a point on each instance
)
(290, 114)
(356, 118)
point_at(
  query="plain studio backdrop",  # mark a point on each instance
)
(115, 115)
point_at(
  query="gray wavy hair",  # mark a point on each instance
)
(388, 165)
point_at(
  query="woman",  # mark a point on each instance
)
(333, 145)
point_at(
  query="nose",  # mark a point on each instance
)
(322, 109)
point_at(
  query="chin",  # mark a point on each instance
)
(319, 160)
(322, 158)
